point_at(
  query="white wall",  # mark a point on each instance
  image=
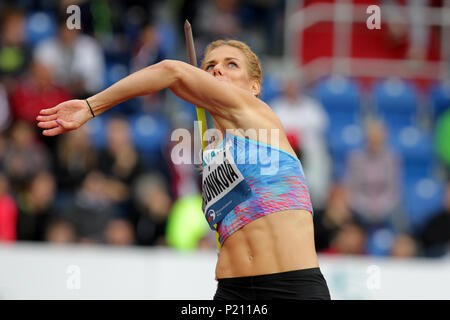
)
(386, 279)
(35, 271)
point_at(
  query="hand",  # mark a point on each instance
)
(66, 116)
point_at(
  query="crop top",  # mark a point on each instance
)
(245, 179)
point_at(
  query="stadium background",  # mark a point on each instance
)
(111, 190)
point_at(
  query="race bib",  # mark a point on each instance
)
(223, 185)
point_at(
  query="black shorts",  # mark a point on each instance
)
(306, 284)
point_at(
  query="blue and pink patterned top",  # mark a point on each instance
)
(271, 180)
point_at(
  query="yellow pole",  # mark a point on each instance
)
(201, 116)
(193, 61)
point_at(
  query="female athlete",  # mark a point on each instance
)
(263, 219)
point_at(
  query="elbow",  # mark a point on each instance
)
(172, 69)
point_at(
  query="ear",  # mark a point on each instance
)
(256, 88)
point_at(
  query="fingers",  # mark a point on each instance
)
(48, 124)
(46, 118)
(54, 131)
(51, 119)
(56, 127)
(49, 111)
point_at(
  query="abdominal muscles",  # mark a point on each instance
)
(278, 242)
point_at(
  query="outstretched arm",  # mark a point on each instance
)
(188, 82)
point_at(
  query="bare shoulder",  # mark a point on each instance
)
(255, 115)
(258, 122)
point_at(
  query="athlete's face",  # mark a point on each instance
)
(230, 64)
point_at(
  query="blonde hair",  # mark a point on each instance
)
(253, 65)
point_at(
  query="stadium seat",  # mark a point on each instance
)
(271, 88)
(39, 26)
(422, 198)
(415, 147)
(96, 128)
(340, 97)
(440, 98)
(168, 37)
(342, 140)
(115, 72)
(396, 102)
(345, 138)
(150, 132)
(380, 241)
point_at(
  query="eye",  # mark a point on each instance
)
(232, 65)
(209, 67)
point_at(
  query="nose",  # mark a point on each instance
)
(217, 70)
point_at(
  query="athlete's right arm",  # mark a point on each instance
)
(186, 81)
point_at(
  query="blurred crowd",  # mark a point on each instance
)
(362, 205)
(81, 187)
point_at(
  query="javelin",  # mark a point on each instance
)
(193, 61)
(200, 112)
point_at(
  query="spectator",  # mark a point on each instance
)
(306, 122)
(5, 112)
(185, 176)
(59, 231)
(148, 51)
(76, 157)
(329, 221)
(184, 180)
(36, 206)
(24, 157)
(35, 92)
(120, 159)
(349, 240)
(436, 234)
(3, 150)
(128, 17)
(265, 17)
(76, 60)
(121, 163)
(119, 232)
(373, 179)
(14, 52)
(154, 204)
(91, 209)
(404, 246)
(8, 212)
(218, 19)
